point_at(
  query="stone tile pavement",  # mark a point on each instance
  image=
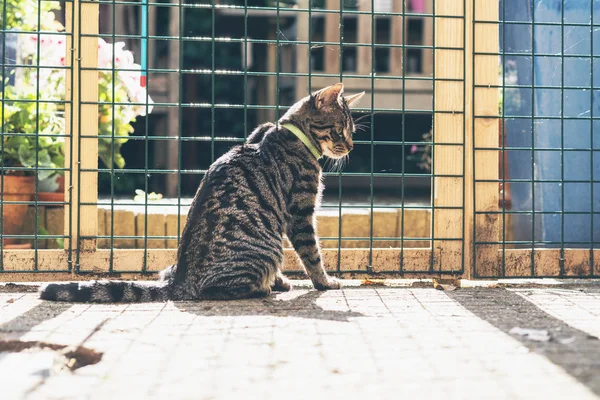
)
(368, 342)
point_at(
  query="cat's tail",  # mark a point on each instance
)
(107, 291)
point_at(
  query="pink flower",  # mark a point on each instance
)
(104, 54)
(124, 59)
(417, 6)
(413, 149)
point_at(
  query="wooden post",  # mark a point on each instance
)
(364, 37)
(271, 80)
(398, 37)
(81, 120)
(427, 55)
(332, 34)
(485, 136)
(451, 109)
(302, 58)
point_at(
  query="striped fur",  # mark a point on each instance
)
(231, 246)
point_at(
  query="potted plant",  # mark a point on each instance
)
(25, 154)
(121, 97)
(52, 189)
(33, 114)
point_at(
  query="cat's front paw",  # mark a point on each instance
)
(329, 284)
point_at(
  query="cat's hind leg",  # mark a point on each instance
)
(236, 279)
(282, 284)
(167, 273)
(237, 292)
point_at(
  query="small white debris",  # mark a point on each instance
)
(531, 334)
(568, 340)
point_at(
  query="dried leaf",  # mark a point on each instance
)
(373, 282)
(446, 284)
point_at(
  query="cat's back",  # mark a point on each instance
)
(242, 178)
(243, 161)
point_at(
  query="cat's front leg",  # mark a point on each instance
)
(304, 239)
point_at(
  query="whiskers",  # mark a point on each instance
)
(362, 127)
(336, 165)
(365, 116)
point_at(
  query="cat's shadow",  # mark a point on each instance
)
(300, 303)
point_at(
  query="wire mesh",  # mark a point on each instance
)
(547, 218)
(181, 82)
(34, 128)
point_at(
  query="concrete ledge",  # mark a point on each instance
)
(409, 228)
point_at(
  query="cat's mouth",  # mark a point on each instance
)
(335, 153)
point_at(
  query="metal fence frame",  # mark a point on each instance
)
(467, 227)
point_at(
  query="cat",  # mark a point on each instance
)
(232, 242)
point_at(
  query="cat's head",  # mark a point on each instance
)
(326, 118)
(330, 120)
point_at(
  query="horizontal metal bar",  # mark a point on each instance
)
(537, 276)
(527, 54)
(35, 271)
(537, 23)
(280, 11)
(35, 67)
(39, 101)
(343, 206)
(231, 72)
(242, 140)
(34, 135)
(536, 212)
(524, 180)
(33, 236)
(329, 239)
(538, 117)
(534, 242)
(203, 171)
(525, 86)
(35, 169)
(542, 149)
(280, 42)
(36, 32)
(36, 203)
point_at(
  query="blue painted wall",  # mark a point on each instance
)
(548, 164)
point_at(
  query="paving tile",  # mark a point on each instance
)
(386, 343)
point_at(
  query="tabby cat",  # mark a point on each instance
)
(232, 242)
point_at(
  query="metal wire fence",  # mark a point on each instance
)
(548, 225)
(140, 97)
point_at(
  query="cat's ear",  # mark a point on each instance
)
(353, 100)
(329, 96)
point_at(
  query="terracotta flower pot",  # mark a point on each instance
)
(58, 196)
(16, 188)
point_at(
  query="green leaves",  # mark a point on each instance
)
(21, 151)
(23, 14)
(33, 107)
(26, 155)
(27, 118)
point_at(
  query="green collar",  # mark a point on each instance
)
(300, 135)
